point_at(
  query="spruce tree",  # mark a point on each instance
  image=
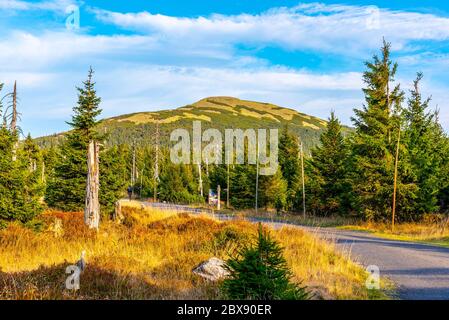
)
(113, 176)
(327, 172)
(66, 188)
(260, 272)
(243, 186)
(289, 162)
(179, 184)
(32, 157)
(427, 147)
(20, 191)
(19, 194)
(273, 191)
(374, 141)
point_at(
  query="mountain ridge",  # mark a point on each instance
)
(220, 112)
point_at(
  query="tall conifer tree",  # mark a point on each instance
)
(20, 192)
(327, 171)
(373, 144)
(67, 187)
(427, 146)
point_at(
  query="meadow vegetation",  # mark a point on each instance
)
(434, 231)
(151, 256)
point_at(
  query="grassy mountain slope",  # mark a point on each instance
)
(214, 112)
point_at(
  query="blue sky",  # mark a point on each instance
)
(159, 54)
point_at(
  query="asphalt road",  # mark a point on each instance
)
(419, 271)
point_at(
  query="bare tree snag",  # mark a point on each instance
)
(92, 209)
(43, 180)
(118, 216)
(14, 109)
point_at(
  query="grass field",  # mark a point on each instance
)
(425, 232)
(151, 255)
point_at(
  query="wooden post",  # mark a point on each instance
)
(92, 209)
(133, 170)
(156, 164)
(303, 184)
(43, 173)
(395, 180)
(200, 179)
(14, 122)
(218, 197)
(227, 189)
(141, 181)
(257, 176)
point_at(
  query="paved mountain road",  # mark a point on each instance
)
(420, 271)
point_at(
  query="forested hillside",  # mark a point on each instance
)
(214, 112)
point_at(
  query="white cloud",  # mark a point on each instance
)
(333, 28)
(151, 87)
(22, 50)
(51, 5)
(13, 5)
(175, 61)
(26, 79)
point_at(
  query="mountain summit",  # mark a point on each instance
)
(214, 112)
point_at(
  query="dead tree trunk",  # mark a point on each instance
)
(118, 216)
(14, 109)
(92, 209)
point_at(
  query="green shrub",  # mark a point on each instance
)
(260, 272)
(36, 225)
(3, 224)
(228, 239)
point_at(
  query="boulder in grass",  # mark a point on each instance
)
(212, 269)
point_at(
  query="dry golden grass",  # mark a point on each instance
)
(428, 231)
(310, 125)
(230, 103)
(151, 256)
(212, 111)
(202, 117)
(141, 118)
(431, 230)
